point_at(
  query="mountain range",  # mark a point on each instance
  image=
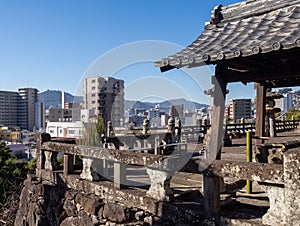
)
(188, 105)
(53, 98)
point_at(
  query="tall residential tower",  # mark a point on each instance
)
(105, 96)
(19, 108)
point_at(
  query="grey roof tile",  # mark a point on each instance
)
(247, 28)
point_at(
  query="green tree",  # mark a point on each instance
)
(12, 173)
(293, 114)
(93, 132)
(100, 125)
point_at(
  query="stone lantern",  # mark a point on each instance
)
(270, 112)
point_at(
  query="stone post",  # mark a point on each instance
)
(145, 126)
(109, 129)
(88, 173)
(160, 184)
(171, 129)
(68, 164)
(291, 163)
(51, 160)
(285, 200)
(272, 124)
(119, 175)
(156, 146)
(178, 130)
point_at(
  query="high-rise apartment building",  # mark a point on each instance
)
(19, 108)
(29, 100)
(9, 108)
(239, 108)
(105, 96)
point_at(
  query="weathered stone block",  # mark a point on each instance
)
(91, 204)
(139, 216)
(70, 195)
(149, 220)
(70, 208)
(117, 213)
(68, 221)
(39, 189)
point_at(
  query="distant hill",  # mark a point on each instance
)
(188, 105)
(53, 97)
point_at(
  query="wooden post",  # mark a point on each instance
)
(260, 112)
(211, 184)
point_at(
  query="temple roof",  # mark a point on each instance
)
(241, 30)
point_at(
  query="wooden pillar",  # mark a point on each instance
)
(260, 111)
(211, 183)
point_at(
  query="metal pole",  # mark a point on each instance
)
(248, 158)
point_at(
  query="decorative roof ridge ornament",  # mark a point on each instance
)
(216, 16)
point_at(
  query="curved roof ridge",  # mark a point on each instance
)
(249, 8)
(263, 33)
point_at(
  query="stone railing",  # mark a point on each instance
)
(160, 168)
(280, 181)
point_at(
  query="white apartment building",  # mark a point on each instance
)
(105, 96)
(65, 129)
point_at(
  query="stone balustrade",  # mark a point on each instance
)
(280, 181)
(160, 168)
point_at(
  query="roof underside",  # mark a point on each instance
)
(250, 35)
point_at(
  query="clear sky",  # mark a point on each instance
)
(52, 44)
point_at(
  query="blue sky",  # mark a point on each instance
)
(52, 44)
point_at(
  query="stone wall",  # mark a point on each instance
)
(43, 203)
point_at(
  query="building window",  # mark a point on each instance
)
(71, 131)
(93, 81)
(93, 102)
(93, 88)
(93, 95)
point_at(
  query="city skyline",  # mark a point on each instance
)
(52, 45)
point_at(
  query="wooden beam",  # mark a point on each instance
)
(260, 111)
(261, 75)
(289, 82)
